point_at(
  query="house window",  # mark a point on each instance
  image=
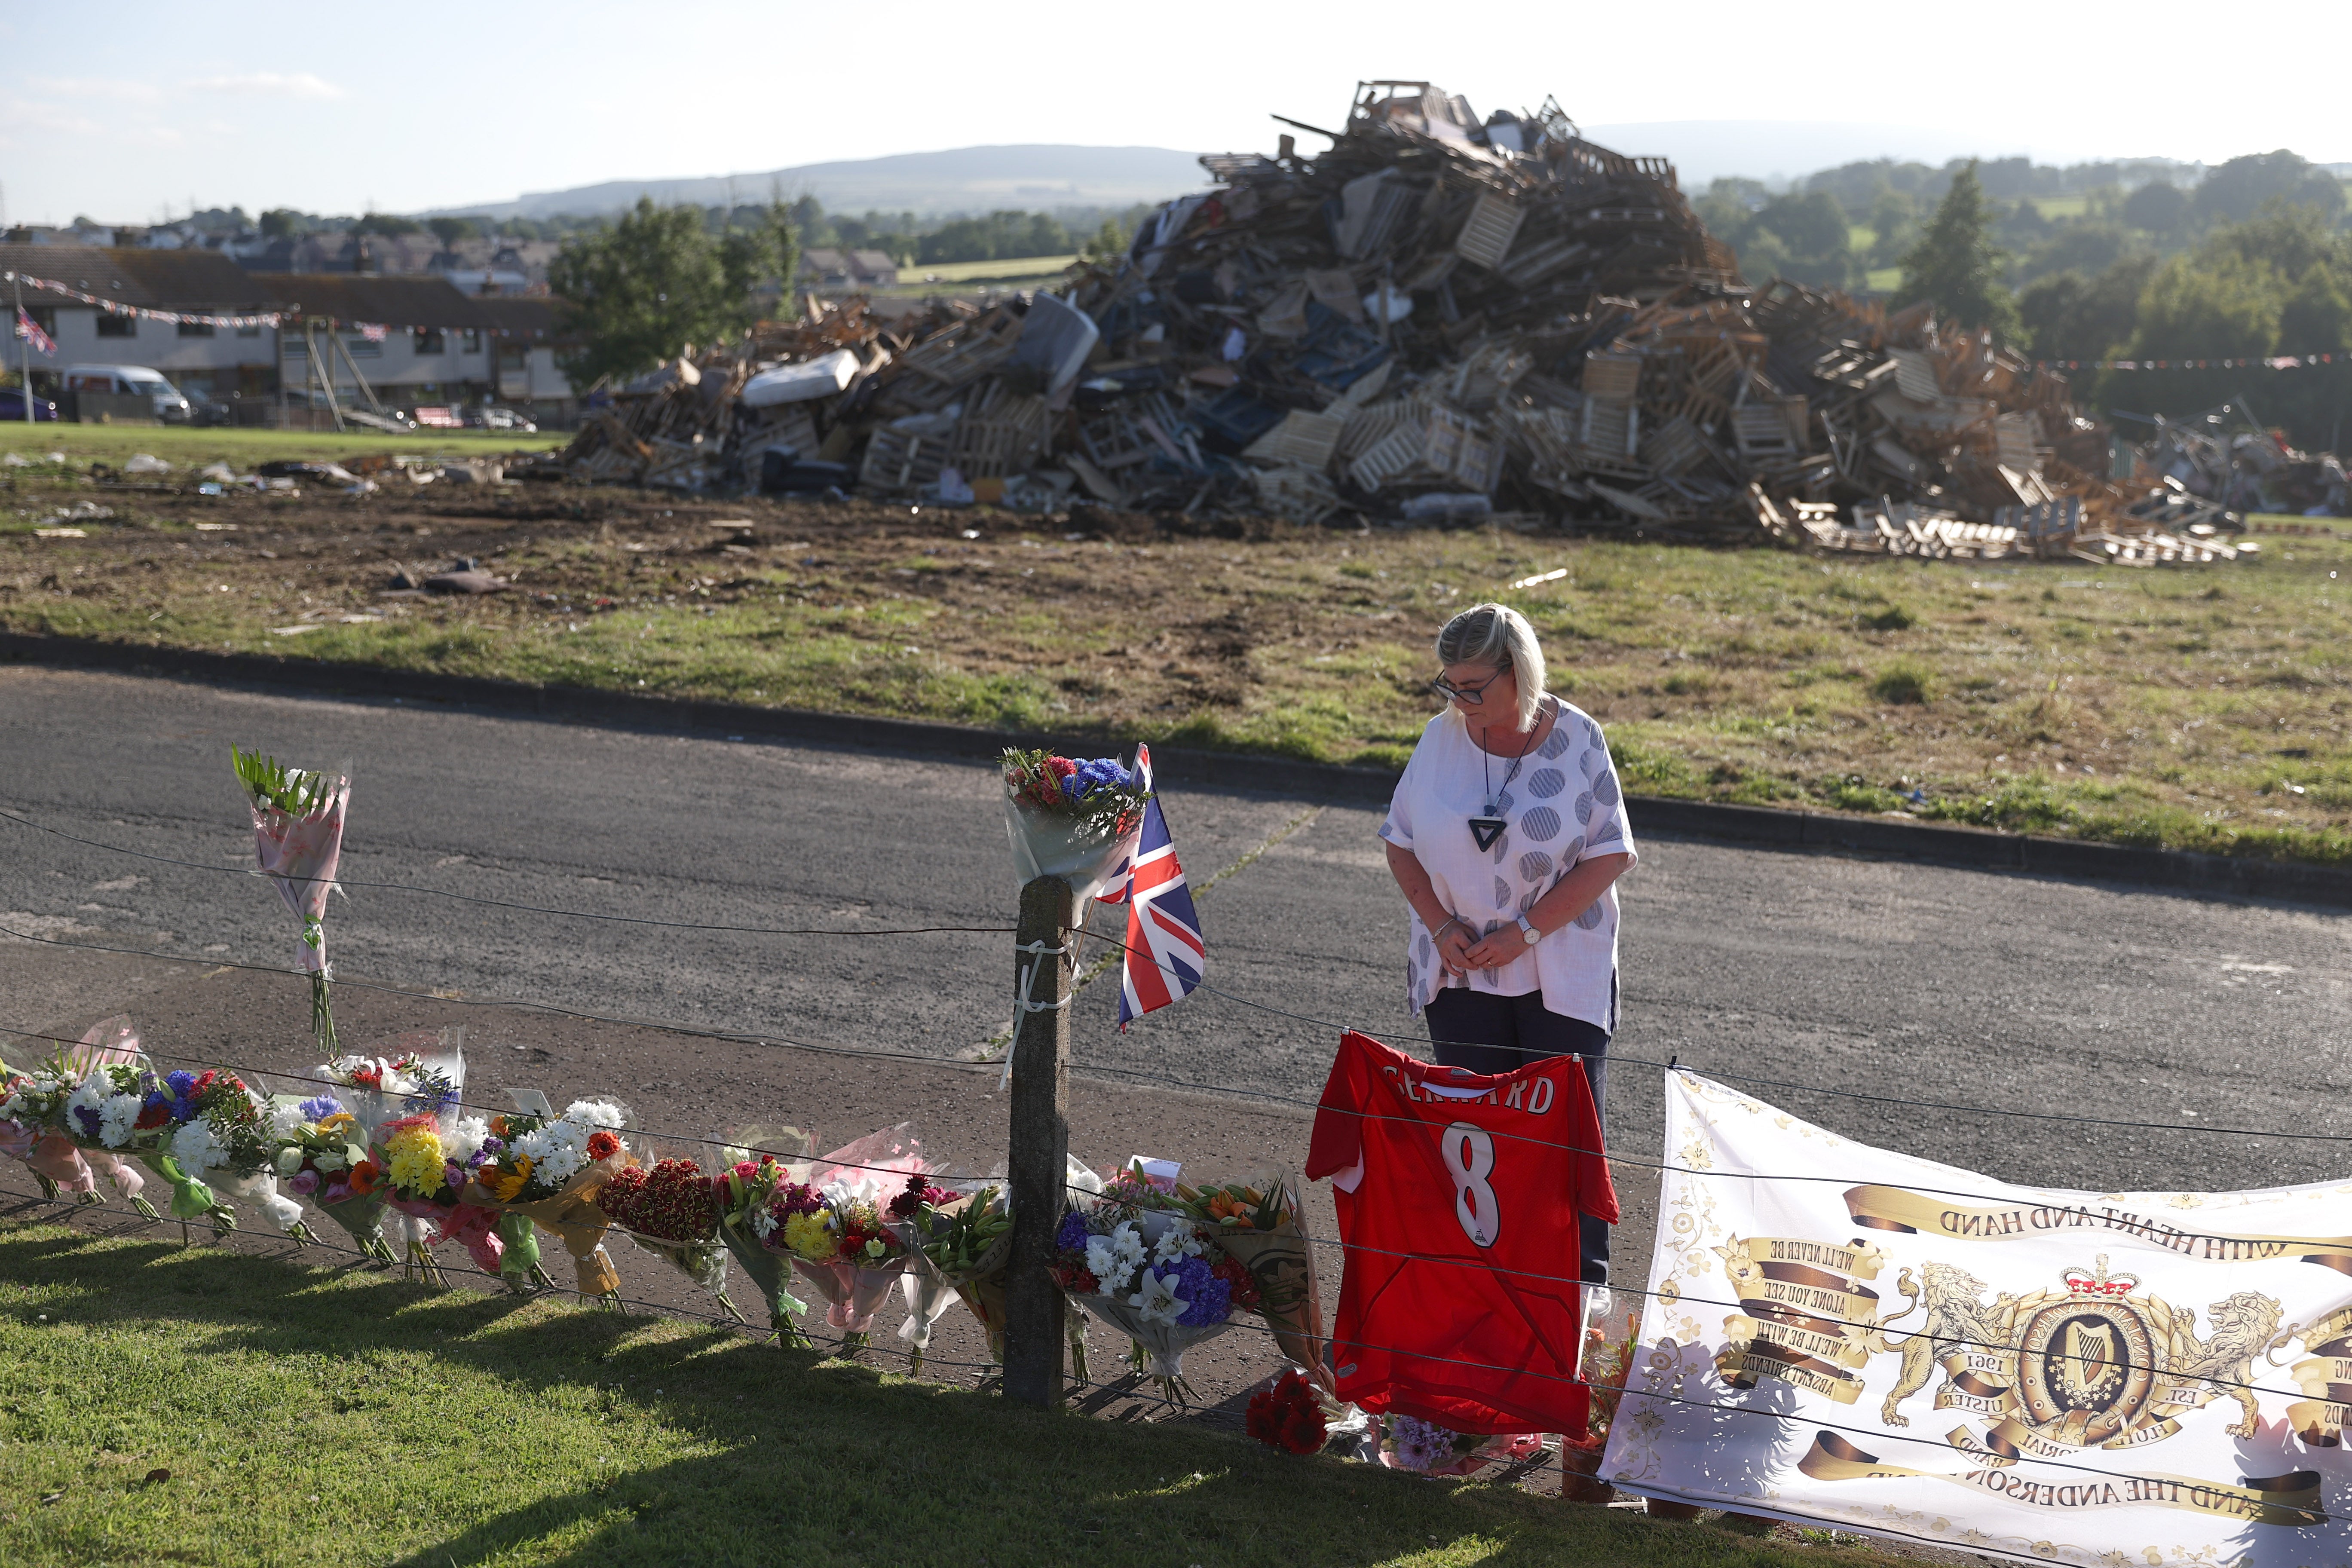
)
(44, 317)
(431, 341)
(473, 340)
(111, 325)
(363, 347)
(196, 329)
(248, 331)
(290, 347)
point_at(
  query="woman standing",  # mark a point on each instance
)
(1508, 834)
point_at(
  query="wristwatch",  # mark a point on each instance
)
(1528, 930)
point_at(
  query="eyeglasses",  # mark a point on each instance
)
(1471, 694)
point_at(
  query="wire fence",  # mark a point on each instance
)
(1118, 947)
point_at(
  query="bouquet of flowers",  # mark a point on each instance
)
(298, 829)
(426, 1162)
(1288, 1414)
(672, 1211)
(966, 1240)
(1076, 820)
(1429, 1449)
(838, 1233)
(196, 1129)
(1136, 1258)
(419, 1075)
(744, 1191)
(104, 1066)
(929, 1292)
(1606, 1364)
(29, 1103)
(548, 1170)
(322, 1155)
(1259, 1224)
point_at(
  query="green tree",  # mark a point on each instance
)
(450, 230)
(1109, 242)
(2069, 317)
(2243, 186)
(281, 223)
(387, 224)
(1893, 227)
(2317, 317)
(643, 290)
(2207, 305)
(761, 260)
(2158, 206)
(1957, 265)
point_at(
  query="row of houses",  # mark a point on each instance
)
(417, 340)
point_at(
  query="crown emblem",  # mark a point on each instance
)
(2097, 1281)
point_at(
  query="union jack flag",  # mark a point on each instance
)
(30, 331)
(1165, 954)
(371, 332)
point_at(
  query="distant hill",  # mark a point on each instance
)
(1778, 150)
(961, 180)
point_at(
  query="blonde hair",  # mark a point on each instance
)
(1499, 637)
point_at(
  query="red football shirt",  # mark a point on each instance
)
(1458, 1197)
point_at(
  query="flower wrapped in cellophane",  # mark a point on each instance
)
(1137, 1259)
(426, 1161)
(298, 831)
(209, 1133)
(1258, 1223)
(322, 1155)
(417, 1075)
(837, 1229)
(547, 1170)
(671, 1210)
(29, 1101)
(1075, 820)
(71, 1120)
(744, 1191)
(965, 1240)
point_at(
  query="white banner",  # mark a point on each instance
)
(1847, 1336)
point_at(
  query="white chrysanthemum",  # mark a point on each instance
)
(567, 1150)
(534, 1144)
(463, 1141)
(197, 1148)
(763, 1223)
(1104, 1265)
(284, 1119)
(88, 1095)
(117, 1119)
(593, 1113)
(1127, 1242)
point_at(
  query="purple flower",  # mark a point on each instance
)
(453, 1175)
(1071, 1236)
(1210, 1300)
(303, 1182)
(181, 1082)
(1419, 1444)
(184, 1109)
(492, 1148)
(89, 1119)
(1101, 771)
(319, 1110)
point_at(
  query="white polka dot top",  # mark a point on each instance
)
(1563, 808)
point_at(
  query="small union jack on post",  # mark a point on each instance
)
(1165, 953)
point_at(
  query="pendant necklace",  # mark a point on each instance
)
(1484, 829)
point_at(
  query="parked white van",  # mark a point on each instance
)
(129, 381)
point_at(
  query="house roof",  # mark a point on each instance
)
(874, 260)
(403, 299)
(158, 280)
(539, 316)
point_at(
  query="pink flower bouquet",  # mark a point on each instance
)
(298, 831)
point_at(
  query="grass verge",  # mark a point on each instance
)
(309, 1416)
(194, 447)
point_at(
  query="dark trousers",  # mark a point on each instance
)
(1491, 1034)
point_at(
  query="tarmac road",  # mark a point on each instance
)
(1970, 988)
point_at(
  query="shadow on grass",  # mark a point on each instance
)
(762, 1454)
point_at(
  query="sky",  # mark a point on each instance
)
(343, 108)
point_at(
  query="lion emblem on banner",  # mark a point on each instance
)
(2095, 1365)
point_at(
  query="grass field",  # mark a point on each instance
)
(2195, 708)
(1029, 271)
(199, 1406)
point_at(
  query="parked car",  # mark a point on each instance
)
(131, 381)
(12, 406)
(499, 419)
